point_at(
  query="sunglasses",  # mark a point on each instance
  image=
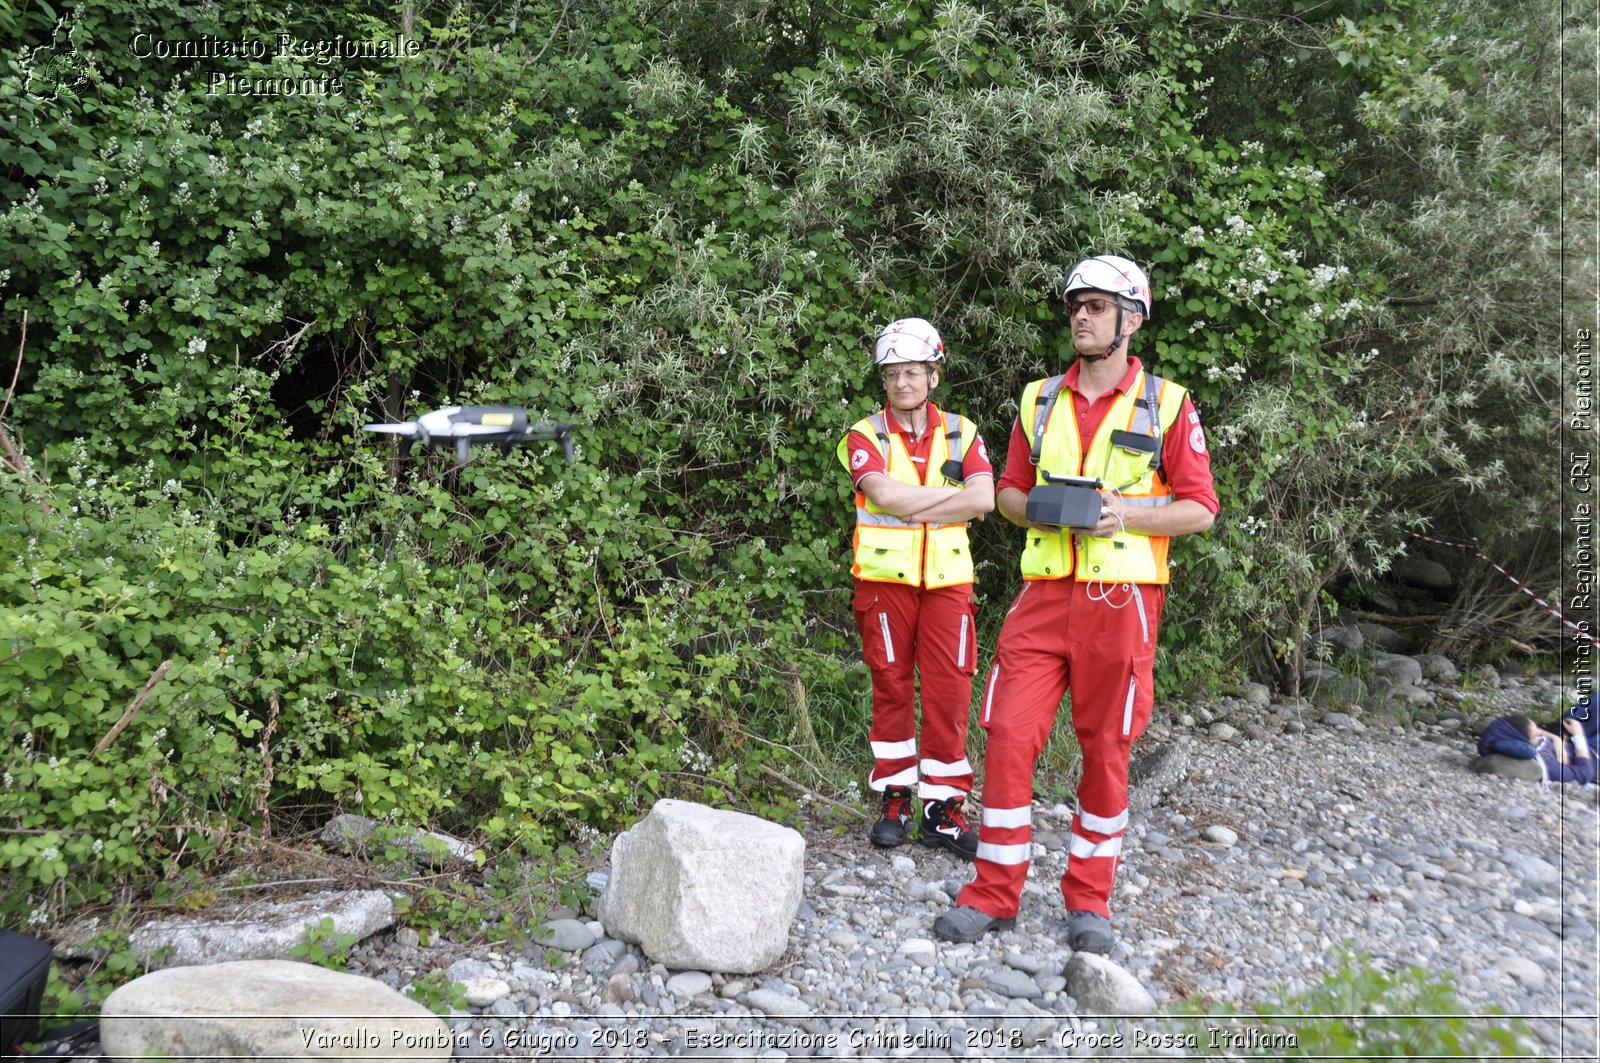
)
(1095, 306)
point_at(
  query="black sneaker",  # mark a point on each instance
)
(891, 829)
(945, 826)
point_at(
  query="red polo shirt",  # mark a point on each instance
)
(1185, 459)
(866, 458)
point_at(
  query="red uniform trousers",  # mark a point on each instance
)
(1099, 640)
(907, 631)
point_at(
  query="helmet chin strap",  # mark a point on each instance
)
(1109, 351)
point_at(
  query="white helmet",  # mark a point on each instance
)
(1113, 274)
(910, 339)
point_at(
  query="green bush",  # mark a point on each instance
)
(677, 230)
(1357, 1011)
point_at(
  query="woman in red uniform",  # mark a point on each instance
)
(920, 474)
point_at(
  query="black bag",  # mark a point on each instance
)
(24, 970)
(77, 1042)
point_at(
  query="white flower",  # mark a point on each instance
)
(197, 345)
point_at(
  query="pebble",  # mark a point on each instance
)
(1276, 850)
(689, 983)
(481, 992)
(567, 935)
(1012, 983)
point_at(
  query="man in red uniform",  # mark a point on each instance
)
(1087, 615)
(920, 474)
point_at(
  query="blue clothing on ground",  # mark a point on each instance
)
(1503, 738)
(1577, 769)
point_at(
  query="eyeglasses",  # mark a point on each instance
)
(909, 372)
(1096, 307)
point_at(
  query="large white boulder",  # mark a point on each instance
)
(705, 889)
(267, 1009)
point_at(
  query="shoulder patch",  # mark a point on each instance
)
(1197, 440)
(858, 459)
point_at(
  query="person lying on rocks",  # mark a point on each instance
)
(1560, 759)
(1585, 712)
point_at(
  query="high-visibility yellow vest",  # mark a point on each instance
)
(891, 549)
(1139, 420)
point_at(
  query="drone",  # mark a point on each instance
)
(462, 426)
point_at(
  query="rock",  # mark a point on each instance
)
(618, 990)
(1024, 962)
(704, 889)
(1341, 721)
(481, 992)
(567, 935)
(781, 1005)
(1406, 694)
(1383, 638)
(1101, 987)
(1220, 835)
(1522, 969)
(1153, 777)
(260, 931)
(465, 970)
(1485, 674)
(1331, 688)
(1510, 767)
(1256, 694)
(602, 957)
(689, 984)
(1534, 870)
(1425, 575)
(360, 836)
(920, 951)
(1396, 669)
(1346, 641)
(1436, 669)
(1223, 731)
(267, 1009)
(1012, 983)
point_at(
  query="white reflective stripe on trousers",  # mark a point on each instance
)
(945, 767)
(1101, 824)
(888, 642)
(1008, 817)
(1083, 848)
(1127, 708)
(908, 777)
(961, 647)
(1005, 854)
(894, 750)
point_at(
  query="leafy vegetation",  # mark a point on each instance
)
(1359, 1011)
(227, 613)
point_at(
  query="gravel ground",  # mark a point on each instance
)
(1285, 836)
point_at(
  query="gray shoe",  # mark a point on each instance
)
(1089, 932)
(964, 923)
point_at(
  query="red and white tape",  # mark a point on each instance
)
(1521, 586)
